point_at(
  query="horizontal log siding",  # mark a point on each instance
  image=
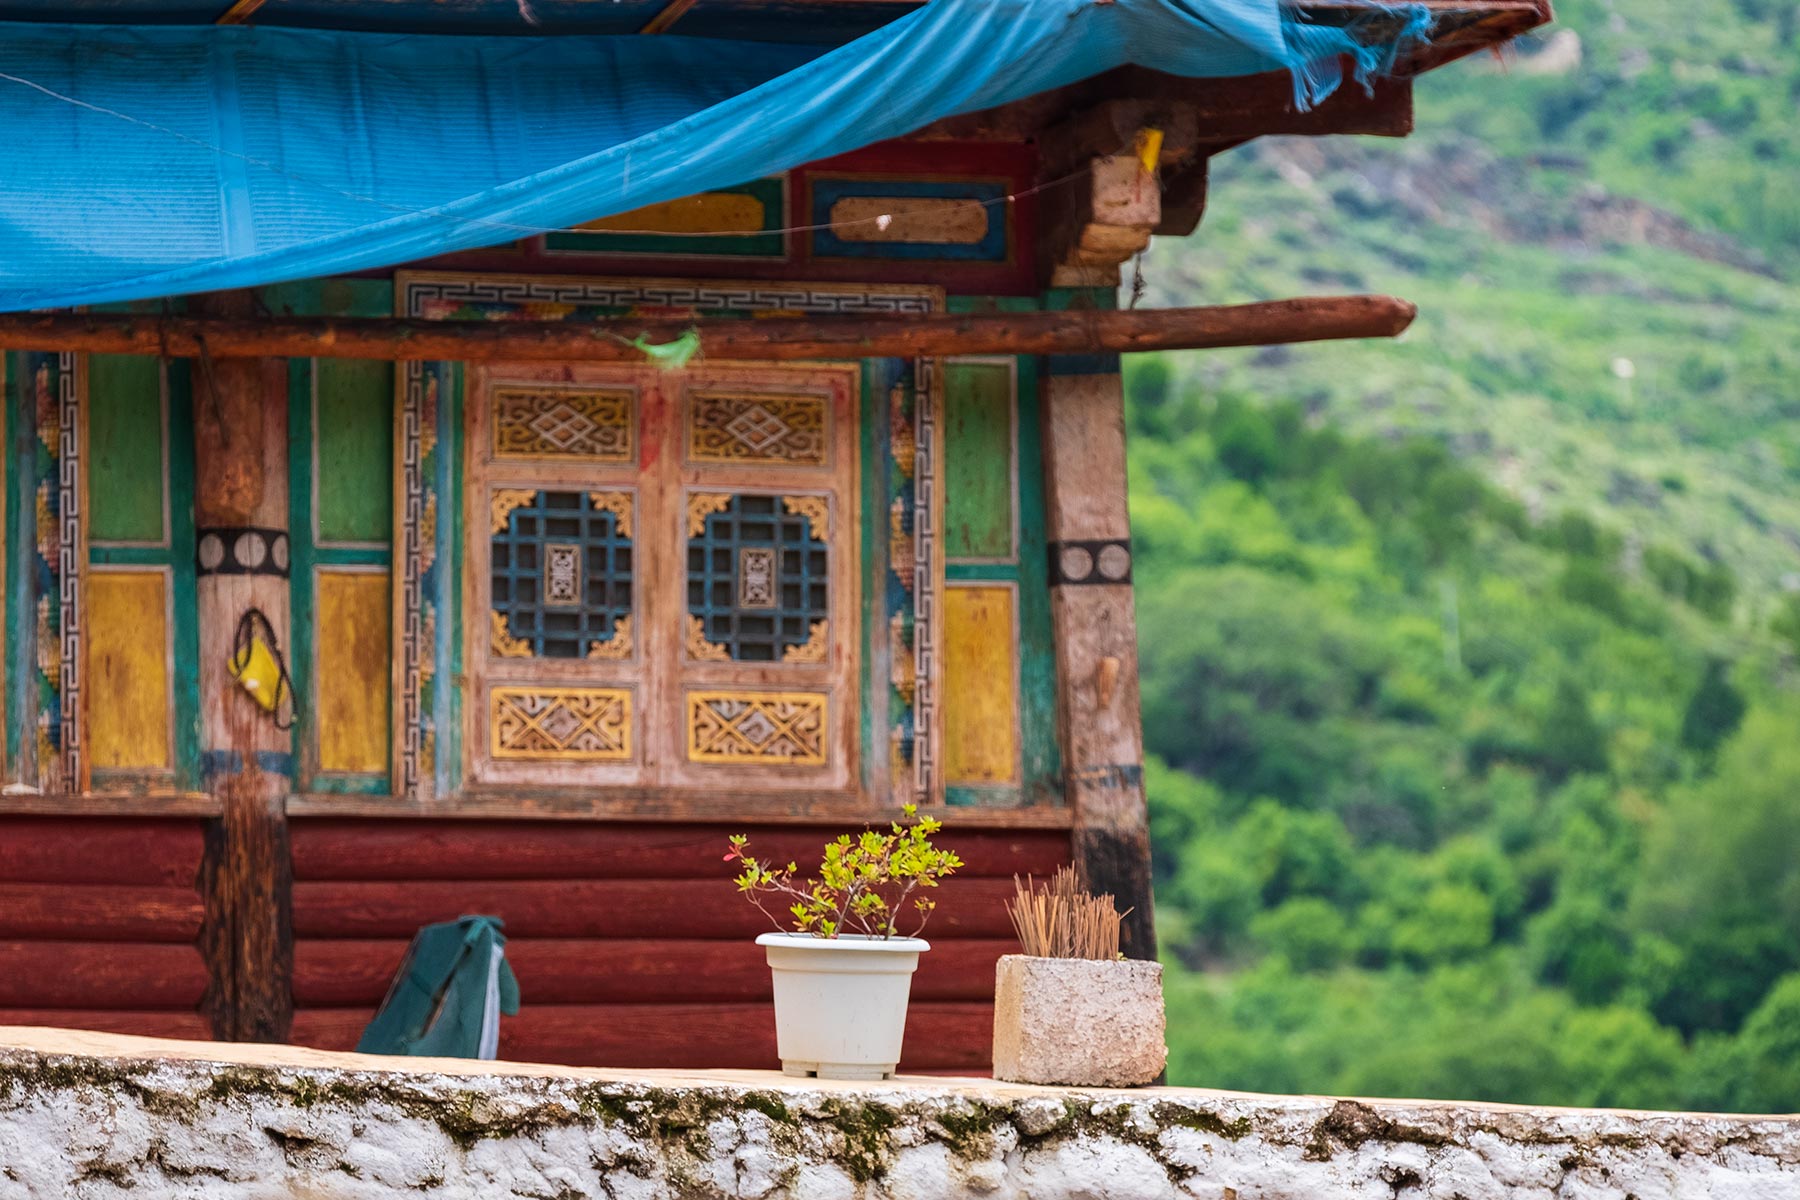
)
(98, 922)
(631, 946)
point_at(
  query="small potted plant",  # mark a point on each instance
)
(844, 972)
(1072, 1010)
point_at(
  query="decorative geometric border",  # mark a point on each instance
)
(422, 387)
(926, 573)
(71, 549)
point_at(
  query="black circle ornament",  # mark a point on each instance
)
(1090, 561)
(242, 550)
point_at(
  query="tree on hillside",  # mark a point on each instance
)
(1721, 878)
(1714, 711)
(1569, 739)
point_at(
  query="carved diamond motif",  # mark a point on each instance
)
(562, 426)
(757, 428)
(730, 427)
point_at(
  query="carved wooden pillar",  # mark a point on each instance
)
(241, 505)
(1095, 629)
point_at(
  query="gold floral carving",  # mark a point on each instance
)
(816, 510)
(903, 671)
(698, 648)
(616, 648)
(504, 501)
(618, 504)
(702, 505)
(504, 643)
(902, 441)
(817, 643)
(900, 545)
(560, 724)
(900, 773)
(768, 728)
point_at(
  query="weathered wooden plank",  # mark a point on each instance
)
(1096, 644)
(938, 1036)
(797, 808)
(610, 908)
(1311, 319)
(348, 972)
(355, 632)
(247, 937)
(981, 684)
(100, 975)
(980, 505)
(139, 1023)
(469, 850)
(125, 472)
(99, 911)
(354, 450)
(241, 476)
(121, 850)
(128, 667)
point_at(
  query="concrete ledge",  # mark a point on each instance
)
(94, 1115)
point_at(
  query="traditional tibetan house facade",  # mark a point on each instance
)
(555, 626)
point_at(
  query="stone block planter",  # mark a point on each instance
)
(1078, 1021)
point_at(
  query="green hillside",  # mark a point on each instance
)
(1470, 659)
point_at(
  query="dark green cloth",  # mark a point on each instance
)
(437, 1003)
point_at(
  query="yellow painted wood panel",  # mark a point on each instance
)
(981, 686)
(354, 662)
(128, 670)
(709, 212)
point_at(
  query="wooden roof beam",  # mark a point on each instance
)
(1217, 110)
(1310, 319)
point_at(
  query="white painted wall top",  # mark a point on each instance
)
(95, 1115)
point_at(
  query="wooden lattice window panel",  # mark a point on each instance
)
(681, 619)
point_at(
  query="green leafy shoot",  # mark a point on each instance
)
(866, 884)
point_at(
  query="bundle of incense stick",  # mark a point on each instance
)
(1060, 919)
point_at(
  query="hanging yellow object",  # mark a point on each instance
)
(257, 665)
(257, 672)
(1149, 149)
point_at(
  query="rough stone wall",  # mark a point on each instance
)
(90, 1115)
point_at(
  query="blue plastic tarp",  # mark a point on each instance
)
(153, 161)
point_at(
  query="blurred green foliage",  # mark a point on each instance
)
(1469, 659)
(1431, 819)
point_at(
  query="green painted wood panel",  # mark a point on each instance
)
(978, 461)
(125, 448)
(355, 498)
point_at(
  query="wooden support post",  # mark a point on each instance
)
(1095, 631)
(240, 514)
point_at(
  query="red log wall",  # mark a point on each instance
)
(98, 923)
(631, 947)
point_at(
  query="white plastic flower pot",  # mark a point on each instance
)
(840, 1003)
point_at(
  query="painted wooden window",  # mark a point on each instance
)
(139, 644)
(999, 687)
(103, 675)
(663, 574)
(340, 489)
